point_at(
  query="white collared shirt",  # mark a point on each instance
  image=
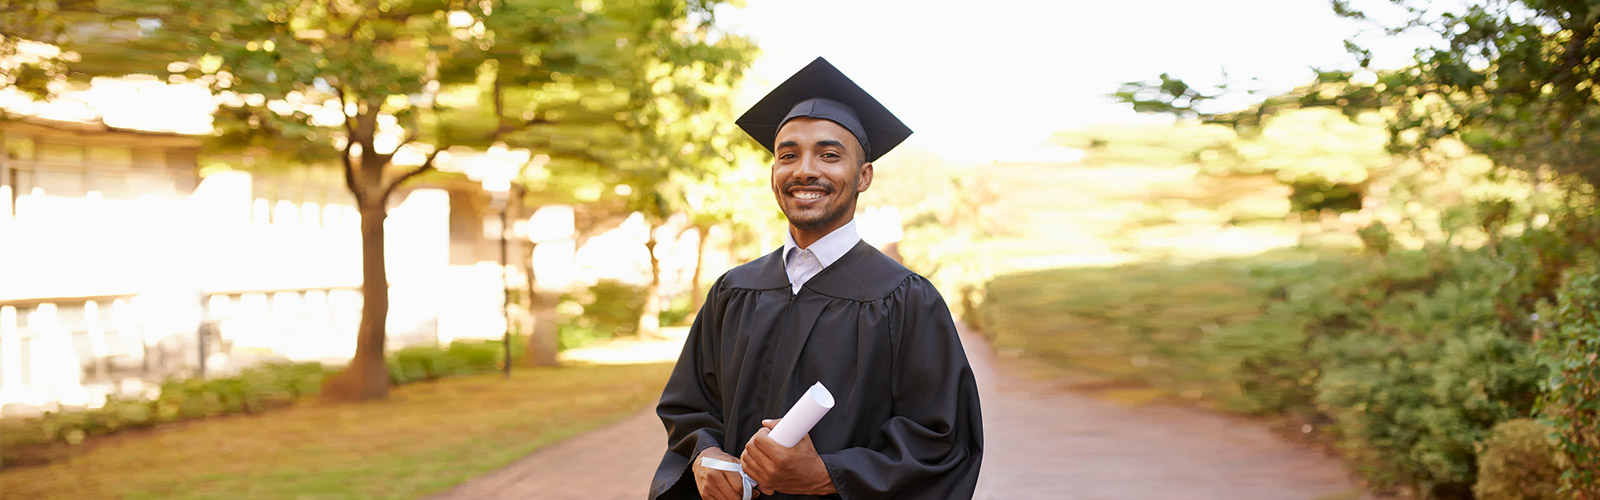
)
(803, 263)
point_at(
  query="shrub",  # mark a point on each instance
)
(253, 390)
(606, 310)
(1518, 462)
(419, 363)
(1571, 401)
(1414, 386)
(1409, 357)
(1270, 353)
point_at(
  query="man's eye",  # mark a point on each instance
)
(830, 154)
(786, 156)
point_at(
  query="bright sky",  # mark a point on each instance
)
(979, 79)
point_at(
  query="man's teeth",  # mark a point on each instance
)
(807, 195)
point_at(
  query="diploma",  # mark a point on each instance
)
(795, 425)
(802, 416)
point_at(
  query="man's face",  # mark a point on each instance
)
(817, 171)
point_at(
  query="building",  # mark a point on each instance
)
(126, 258)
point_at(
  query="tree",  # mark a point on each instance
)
(384, 86)
(738, 199)
(35, 42)
(681, 133)
(1514, 80)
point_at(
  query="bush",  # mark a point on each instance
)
(1270, 353)
(253, 390)
(1411, 357)
(419, 363)
(1518, 462)
(609, 309)
(1572, 390)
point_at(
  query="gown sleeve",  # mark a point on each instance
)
(690, 405)
(932, 446)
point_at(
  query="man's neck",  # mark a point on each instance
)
(804, 238)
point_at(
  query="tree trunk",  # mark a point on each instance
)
(367, 377)
(696, 290)
(650, 314)
(543, 338)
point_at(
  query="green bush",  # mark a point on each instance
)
(1412, 358)
(609, 309)
(1519, 462)
(1270, 353)
(253, 390)
(680, 311)
(419, 363)
(1571, 348)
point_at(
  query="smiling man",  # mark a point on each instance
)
(826, 307)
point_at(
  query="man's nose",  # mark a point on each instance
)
(806, 169)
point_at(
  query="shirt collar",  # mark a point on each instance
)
(829, 248)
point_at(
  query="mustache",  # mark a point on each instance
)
(819, 183)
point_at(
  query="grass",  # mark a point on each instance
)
(426, 438)
(1135, 332)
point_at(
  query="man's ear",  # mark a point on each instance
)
(866, 177)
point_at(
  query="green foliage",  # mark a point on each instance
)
(1570, 350)
(1508, 78)
(1519, 462)
(609, 309)
(1144, 324)
(680, 311)
(1412, 358)
(945, 227)
(419, 363)
(253, 390)
(35, 39)
(1268, 355)
(611, 93)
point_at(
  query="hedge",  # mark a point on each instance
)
(1412, 358)
(254, 390)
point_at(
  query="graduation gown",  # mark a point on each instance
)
(905, 423)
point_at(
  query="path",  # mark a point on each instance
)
(1041, 444)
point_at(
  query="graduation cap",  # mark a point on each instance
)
(820, 90)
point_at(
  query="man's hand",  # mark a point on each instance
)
(798, 470)
(717, 484)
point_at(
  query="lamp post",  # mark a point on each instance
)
(498, 168)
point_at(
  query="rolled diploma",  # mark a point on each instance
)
(802, 416)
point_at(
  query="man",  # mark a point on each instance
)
(826, 307)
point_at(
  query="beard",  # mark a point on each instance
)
(836, 204)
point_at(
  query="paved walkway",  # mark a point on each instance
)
(1041, 443)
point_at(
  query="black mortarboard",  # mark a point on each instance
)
(819, 90)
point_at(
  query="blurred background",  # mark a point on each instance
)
(1368, 224)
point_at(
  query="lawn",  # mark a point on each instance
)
(1135, 332)
(426, 438)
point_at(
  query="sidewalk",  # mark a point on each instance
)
(1040, 443)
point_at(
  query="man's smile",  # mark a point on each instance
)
(807, 193)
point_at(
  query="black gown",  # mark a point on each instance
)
(905, 423)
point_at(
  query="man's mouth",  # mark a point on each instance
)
(807, 194)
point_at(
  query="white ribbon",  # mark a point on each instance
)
(749, 484)
(795, 425)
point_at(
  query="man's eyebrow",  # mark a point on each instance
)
(830, 142)
(788, 144)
